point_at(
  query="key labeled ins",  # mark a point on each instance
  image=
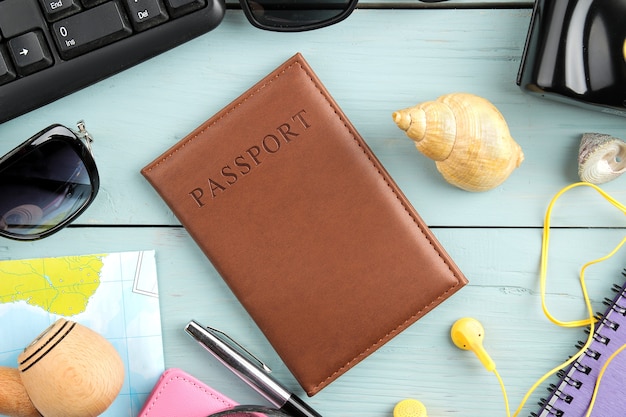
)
(90, 29)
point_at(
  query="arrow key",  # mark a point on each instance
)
(30, 53)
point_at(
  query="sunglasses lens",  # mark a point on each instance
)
(44, 187)
(298, 14)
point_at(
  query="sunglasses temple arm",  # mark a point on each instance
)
(83, 134)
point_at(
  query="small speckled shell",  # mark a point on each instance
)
(601, 158)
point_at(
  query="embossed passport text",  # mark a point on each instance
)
(304, 224)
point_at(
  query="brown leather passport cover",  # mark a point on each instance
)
(304, 224)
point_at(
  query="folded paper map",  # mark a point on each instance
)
(114, 294)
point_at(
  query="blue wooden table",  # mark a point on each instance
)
(386, 56)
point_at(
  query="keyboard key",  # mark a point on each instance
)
(20, 16)
(146, 13)
(180, 7)
(58, 9)
(91, 3)
(90, 29)
(30, 53)
(7, 73)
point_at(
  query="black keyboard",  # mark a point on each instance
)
(51, 48)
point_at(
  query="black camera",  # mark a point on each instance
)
(576, 52)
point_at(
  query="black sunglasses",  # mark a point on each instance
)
(46, 182)
(298, 15)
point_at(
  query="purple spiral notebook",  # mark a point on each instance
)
(571, 396)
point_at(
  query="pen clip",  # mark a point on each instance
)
(233, 343)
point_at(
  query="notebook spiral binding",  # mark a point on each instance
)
(577, 373)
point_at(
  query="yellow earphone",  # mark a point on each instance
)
(467, 333)
(409, 408)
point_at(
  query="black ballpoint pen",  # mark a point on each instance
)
(259, 379)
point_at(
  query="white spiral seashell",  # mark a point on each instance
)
(601, 158)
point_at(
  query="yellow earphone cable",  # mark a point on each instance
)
(506, 397)
(590, 321)
(544, 252)
(600, 375)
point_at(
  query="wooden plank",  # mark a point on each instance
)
(501, 264)
(373, 63)
(384, 57)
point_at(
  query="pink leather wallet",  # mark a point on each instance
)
(178, 394)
